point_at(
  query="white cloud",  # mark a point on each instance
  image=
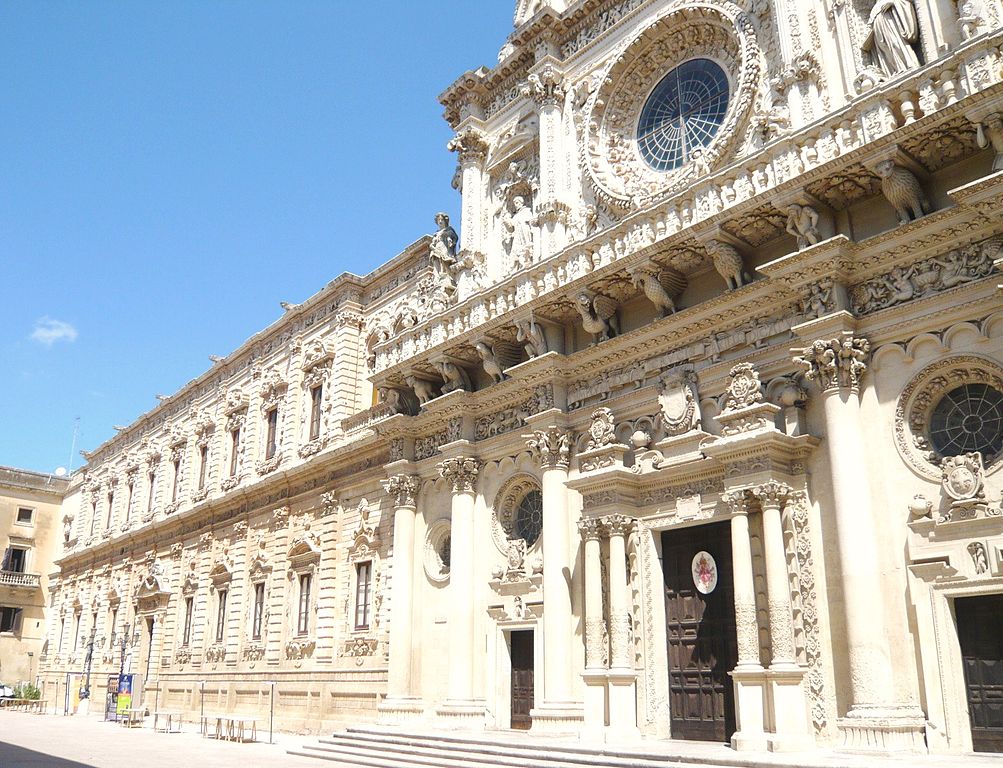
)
(48, 331)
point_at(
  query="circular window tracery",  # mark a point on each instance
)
(968, 419)
(683, 114)
(438, 551)
(529, 518)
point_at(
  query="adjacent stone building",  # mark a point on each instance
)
(31, 527)
(693, 430)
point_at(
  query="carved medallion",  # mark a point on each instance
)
(704, 569)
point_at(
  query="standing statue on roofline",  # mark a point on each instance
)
(894, 32)
(442, 253)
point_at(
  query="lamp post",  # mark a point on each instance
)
(31, 661)
(202, 706)
(86, 692)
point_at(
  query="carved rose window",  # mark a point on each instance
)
(528, 522)
(683, 114)
(968, 419)
(518, 513)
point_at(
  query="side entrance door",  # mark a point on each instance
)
(522, 678)
(980, 632)
(700, 626)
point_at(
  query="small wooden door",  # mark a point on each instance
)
(980, 632)
(522, 678)
(701, 638)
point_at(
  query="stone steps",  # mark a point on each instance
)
(385, 748)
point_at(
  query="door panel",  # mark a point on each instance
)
(700, 633)
(980, 632)
(522, 678)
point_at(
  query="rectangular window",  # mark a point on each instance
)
(187, 636)
(76, 631)
(363, 593)
(316, 398)
(221, 616)
(271, 431)
(10, 619)
(62, 631)
(303, 623)
(111, 506)
(94, 516)
(234, 451)
(94, 625)
(259, 610)
(177, 477)
(203, 463)
(128, 501)
(15, 560)
(151, 480)
(25, 516)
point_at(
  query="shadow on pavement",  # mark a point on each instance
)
(18, 757)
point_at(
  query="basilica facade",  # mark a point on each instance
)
(690, 428)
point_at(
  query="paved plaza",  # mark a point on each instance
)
(50, 741)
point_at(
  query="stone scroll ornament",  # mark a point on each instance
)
(835, 363)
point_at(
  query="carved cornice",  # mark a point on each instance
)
(461, 473)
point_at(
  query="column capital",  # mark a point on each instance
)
(551, 447)
(470, 145)
(737, 501)
(772, 493)
(591, 528)
(835, 364)
(460, 472)
(618, 525)
(404, 489)
(545, 87)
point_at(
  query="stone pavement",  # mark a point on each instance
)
(51, 741)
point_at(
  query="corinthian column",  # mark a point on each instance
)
(748, 677)
(622, 677)
(838, 366)
(546, 88)
(461, 708)
(401, 704)
(472, 150)
(591, 529)
(552, 448)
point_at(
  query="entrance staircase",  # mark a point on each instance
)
(392, 748)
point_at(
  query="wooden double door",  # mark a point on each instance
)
(980, 633)
(523, 662)
(700, 629)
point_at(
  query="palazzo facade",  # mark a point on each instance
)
(692, 431)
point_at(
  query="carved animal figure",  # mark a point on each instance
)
(902, 189)
(661, 287)
(424, 390)
(490, 362)
(533, 338)
(598, 315)
(453, 377)
(728, 263)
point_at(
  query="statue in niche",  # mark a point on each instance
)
(990, 133)
(442, 253)
(517, 236)
(894, 32)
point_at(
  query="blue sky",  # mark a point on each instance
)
(170, 171)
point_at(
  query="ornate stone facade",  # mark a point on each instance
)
(788, 341)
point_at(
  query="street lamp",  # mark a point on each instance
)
(86, 692)
(31, 661)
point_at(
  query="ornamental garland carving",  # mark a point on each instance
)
(927, 277)
(835, 363)
(922, 394)
(716, 30)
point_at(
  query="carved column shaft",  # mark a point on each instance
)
(771, 496)
(595, 627)
(745, 587)
(462, 475)
(405, 489)
(552, 448)
(546, 87)
(619, 596)
(472, 150)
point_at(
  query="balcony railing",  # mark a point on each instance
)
(16, 579)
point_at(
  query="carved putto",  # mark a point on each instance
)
(989, 132)
(802, 223)
(743, 389)
(678, 401)
(835, 363)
